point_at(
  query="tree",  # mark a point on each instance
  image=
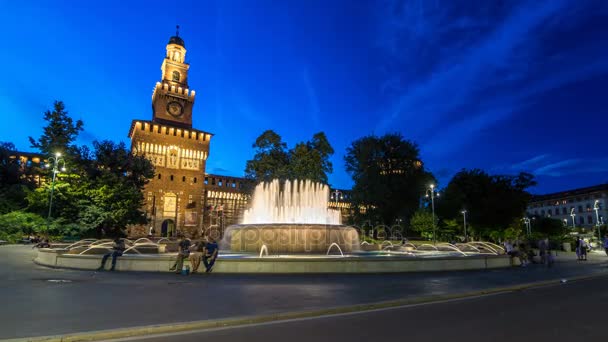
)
(59, 133)
(15, 182)
(549, 227)
(389, 178)
(106, 194)
(493, 202)
(310, 160)
(271, 159)
(117, 180)
(307, 160)
(422, 222)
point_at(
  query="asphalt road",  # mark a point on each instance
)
(573, 311)
(34, 303)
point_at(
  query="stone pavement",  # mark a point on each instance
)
(40, 301)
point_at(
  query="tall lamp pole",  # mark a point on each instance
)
(464, 215)
(573, 215)
(596, 207)
(527, 223)
(432, 192)
(55, 162)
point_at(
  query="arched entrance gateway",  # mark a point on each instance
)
(167, 228)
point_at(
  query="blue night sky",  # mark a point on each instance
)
(505, 86)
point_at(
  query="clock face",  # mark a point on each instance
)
(175, 109)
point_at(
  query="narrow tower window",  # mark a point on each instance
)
(176, 76)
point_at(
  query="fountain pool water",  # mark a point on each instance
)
(291, 217)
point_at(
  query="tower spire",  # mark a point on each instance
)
(177, 30)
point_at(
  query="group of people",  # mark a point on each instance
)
(520, 251)
(525, 253)
(205, 251)
(581, 249)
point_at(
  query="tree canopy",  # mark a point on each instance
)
(99, 189)
(306, 160)
(15, 180)
(389, 178)
(59, 133)
(492, 202)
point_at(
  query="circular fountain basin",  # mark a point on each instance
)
(376, 262)
(290, 238)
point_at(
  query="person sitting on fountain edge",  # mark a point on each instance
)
(182, 253)
(117, 248)
(210, 254)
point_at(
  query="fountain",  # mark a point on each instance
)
(291, 218)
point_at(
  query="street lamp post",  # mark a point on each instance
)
(464, 215)
(528, 227)
(573, 215)
(432, 192)
(596, 207)
(55, 161)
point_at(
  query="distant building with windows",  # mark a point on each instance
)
(29, 164)
(578, 204)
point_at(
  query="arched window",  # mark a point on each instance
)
(194, 179)
(183, 178)
(176, 76)
(159, 176)
(171, 177)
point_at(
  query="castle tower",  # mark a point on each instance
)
(172, 100)
(174, 198)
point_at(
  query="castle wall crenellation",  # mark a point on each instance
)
(173, 90)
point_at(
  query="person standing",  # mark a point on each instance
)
(210, 254)
(183, 251)
(117, 248)
(542, 251)
(578, 248)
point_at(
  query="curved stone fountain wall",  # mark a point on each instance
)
(290, 238)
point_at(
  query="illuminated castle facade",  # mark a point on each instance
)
(182, 199)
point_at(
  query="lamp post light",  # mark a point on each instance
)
(573, 215)
(596, 207)
(528, 226)
(55, 161)
(464, 216)
(433, 192)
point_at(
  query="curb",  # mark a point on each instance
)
(241, 321)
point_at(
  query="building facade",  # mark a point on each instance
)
(576, 208)
(174, 198)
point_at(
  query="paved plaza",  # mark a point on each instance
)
(40, 301)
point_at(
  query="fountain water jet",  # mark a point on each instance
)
(262, 250)
(332, 246)
(290, 217)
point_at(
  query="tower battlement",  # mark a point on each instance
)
(166, 88)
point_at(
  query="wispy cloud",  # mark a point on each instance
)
(478, 69)
(547, 165)
(528, 163)
(313, 100)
